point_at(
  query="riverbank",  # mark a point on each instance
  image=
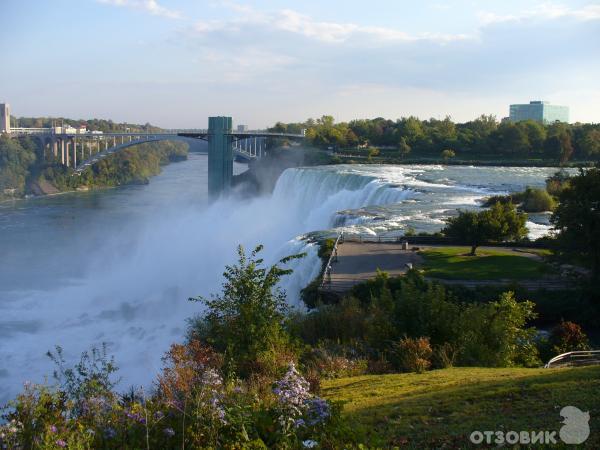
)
(29, 172)
(362, 159)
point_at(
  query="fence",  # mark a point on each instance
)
(578, 358)
(434, 240)
(327, 272)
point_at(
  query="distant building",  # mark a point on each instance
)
(539, 111)
(4, 118)
(242, 128)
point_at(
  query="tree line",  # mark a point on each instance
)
(484, 136)
(23, 164)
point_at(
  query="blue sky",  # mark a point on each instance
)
(174, 62)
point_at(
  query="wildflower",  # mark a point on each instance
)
(299, 423)
(309, 443)
(158, 415)
(318, 411)
(169, 432)
(53, 428)
(135, 416)
(61, 443)
(110, 433)
(211, 378)
(292, 393)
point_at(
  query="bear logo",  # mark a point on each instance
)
(576, 428)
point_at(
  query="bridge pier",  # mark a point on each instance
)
(220, 156)
(74, 153)
(62, 152)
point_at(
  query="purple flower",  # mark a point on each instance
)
(318, 410)
(110, 433)
(61, 443)
(53, 428)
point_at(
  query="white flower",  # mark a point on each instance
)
(309, 443)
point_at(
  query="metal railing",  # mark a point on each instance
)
(577, 358)
(326, 278)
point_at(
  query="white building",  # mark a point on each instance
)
(4, 118)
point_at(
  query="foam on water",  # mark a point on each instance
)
(133, 288)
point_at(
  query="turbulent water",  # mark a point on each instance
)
(118, 265)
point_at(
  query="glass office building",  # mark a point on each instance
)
(539, 111)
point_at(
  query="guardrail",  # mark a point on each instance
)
(577, 358)
(327, 272)
(434, 240)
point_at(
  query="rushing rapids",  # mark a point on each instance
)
(117, 266)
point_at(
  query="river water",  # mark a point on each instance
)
(118, 265)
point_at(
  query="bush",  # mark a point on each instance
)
(494, 334)
(444, 355)
(212, 414)
(246, 322)
(537, 200)
(568, 337)
(557, 183)
(327, 364)
(412, 355)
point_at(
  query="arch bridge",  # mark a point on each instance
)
(82, 150)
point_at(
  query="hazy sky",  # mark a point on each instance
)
(175, 62)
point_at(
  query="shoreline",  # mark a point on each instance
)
(346, 159)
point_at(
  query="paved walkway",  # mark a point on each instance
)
(358, 262)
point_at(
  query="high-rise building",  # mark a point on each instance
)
(4, 118)
(539, 111)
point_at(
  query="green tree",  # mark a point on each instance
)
(447, 154)
(495, 334)
(577, 219)
(403, 147)
(246, 321)
(537, 200)
(590, 144)
(499, 223)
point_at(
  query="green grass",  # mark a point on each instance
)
(453, 263)
(442, 407)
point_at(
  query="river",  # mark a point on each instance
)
(118, 265)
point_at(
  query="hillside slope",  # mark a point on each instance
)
(442, 407)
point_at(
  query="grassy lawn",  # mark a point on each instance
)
(441, 408)
(453, 263)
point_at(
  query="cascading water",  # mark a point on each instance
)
(122, 275)
(133, 282)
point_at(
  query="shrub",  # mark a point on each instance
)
(557, 182)
(448, 154)
(495, 335)
(537, 200)
(412, 355)
(568, 337)
(327, 364)
(184, 367)
(246, 322)
(444, 355)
